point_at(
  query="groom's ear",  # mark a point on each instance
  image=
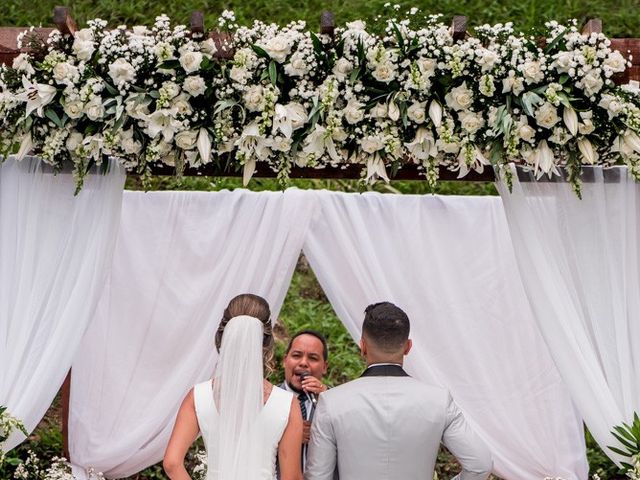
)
(407, 347)
(363, 347)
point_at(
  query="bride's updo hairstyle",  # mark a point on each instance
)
(253, 306)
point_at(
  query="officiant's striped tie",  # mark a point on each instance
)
(302, 398)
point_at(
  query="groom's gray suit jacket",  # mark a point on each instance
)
(388, 426)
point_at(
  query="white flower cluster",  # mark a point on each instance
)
(8, 423)
(285, 96)
(59, 469)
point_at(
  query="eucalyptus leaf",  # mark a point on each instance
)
(273, 73)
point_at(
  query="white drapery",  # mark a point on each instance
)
(448, 262)
(579, 263)
(55, 252)
(180, 257)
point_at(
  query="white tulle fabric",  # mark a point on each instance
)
(238, 395)
(579, 260)
(55, 253)
(179, 258)
(448, 262)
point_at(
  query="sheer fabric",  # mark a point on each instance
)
(579, 263)
(180, 257)
(55, 252)
(448, 262)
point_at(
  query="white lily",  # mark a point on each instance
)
(248, 170)
(394, 111)
(376, 168)
(25, 146)
(319, 141)
(570, 118)
(163, 122)
(544, 161)
(204, 145)
(435, 113)
(588, 152)
(282, 121)
(470, 158)
(423, 145)
(253, 146)
(37, 96)
(632, 140)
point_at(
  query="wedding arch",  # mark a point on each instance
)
(513, 322)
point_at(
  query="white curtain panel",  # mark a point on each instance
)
(448, 262)
(579, 263)
(55, 252)
(180, 257)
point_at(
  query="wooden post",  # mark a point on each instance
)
(593, 25)
(66, 397)
(459, 27)
(197, 23)
(327, 23)
(64, 21)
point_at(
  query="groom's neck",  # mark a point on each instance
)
(371, 359)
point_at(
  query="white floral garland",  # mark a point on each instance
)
(288, 96)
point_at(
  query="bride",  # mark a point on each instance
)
(245, 422)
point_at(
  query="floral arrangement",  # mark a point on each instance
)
(628, 435)
(60, 469)
(8, 424)
(405, 92)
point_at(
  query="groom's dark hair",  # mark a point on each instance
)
(386, 325)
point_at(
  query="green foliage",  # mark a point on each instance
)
(599, 463)
(628, 435)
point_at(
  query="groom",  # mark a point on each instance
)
(388, 425)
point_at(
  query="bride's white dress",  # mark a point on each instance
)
(270, 426)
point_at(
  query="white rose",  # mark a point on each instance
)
(353, 112)
(181, 105)
(547, 115)
(342, 68)
(191, 61)
(94, 110)
(254, 98)
(281, 144)
(84, 35)
(297, 65)
(586, 126)
(194, 86)
(65, 73)
(513, 84)
(209, 46)
(137, 109)
(488, 58)
(471, 122)
(384, 72)
(171, 89)
(74, 109)
(592, 83)
(83, 50)
(563, 62)
(379, 110)
(459, 98)
(297, 114)
(615, 62)
(532, 72)
(371, 144)
(278, 48)
(357, 25)
(417, 112)
(74, 141)
(525, 131)
(239, 74)
(129, 144)
(121, 72)
(427, 66)
(187, 139)
(22, 64)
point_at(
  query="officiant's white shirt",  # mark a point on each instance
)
(390, 428)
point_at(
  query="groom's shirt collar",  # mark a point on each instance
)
(385, 370)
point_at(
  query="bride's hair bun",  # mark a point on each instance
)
(253, 306)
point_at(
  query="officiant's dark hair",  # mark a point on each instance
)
(254, 306)
(386, 325)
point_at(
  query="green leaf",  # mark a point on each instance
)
(398, 36)
(564, 78)
(317, 44)
(118, 125)
(618, 451)
(223, 105)
(273, 73)
(530, 100)
(111, 89)
(354, 75)
(53, 116)
(260, 51)
(169, 64)
(554, 43)
(624, 441)
(154, 94)
(624, 431)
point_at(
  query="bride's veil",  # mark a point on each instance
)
(238, 395)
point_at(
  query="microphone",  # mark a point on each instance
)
(313, 398)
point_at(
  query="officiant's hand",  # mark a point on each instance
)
(313, 385)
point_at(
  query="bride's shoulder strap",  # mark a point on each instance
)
(203, 399)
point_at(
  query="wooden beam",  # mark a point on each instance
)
(66, 397)
(593, 25)
(64, 21)
(197, 23)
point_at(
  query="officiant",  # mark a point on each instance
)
(305, 365)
